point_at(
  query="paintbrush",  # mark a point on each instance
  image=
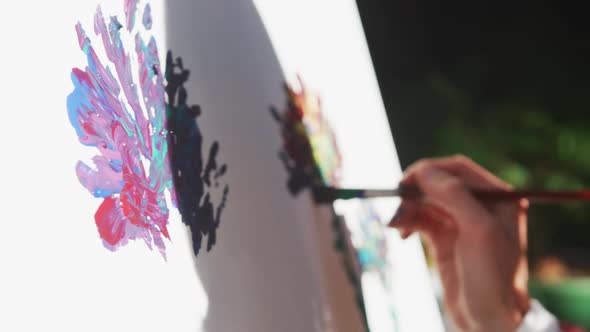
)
(326, 194)
(312, 157)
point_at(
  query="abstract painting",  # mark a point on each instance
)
(311, 156)
(309, 153)
(149, 144)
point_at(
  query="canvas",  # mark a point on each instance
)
(81, 250)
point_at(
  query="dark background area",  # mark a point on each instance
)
(533, 51)
(506, 83)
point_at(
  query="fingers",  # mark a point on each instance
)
(420, 216)
(452, 190)
(432, 223)
(471, 240)
(451, 194)
(448, 183)
(513, 216)
(521, 224)
(473, 175)
(409, 219)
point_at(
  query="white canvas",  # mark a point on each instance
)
(273, 268)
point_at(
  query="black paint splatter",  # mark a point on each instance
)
(192, 177)
(296, 153)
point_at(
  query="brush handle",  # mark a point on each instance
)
(330, 194)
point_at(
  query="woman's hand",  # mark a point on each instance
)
(479, 247)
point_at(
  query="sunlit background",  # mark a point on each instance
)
(505, 83)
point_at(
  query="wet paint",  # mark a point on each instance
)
(125, 120)
(310, 152)
(312, 158)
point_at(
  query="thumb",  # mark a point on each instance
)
(451, 193)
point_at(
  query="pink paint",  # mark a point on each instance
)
(125, 121)
(130, 9)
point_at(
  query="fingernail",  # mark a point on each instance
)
(434, 175)
(397, 216)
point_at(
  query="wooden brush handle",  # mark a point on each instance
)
(330, 194)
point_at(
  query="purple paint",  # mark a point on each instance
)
(130, 11)
(147, 17)
(125, 121)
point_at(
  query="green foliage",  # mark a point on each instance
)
(526, 146)
(567, 299)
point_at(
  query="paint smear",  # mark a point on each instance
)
(309, 153)
(312, 158)
(194, 179)
(371, 243)
(147, 17)
(350, 263)
(125, 121)
(130, 12)
(369, 239)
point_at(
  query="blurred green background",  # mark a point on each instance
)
(507, 84)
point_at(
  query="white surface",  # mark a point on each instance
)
(273, 264)
(55, 273)
(538, 319)
(323, 41)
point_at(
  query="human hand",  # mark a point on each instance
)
(479, 247)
